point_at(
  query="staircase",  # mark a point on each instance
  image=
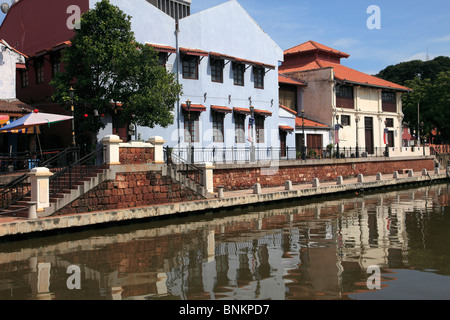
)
(68, 182)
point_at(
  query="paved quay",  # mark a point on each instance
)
(15, 228)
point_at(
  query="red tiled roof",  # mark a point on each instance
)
(315, 46)
(194, 52)
(194, 107)
(282, 78)
(288, 109)
(5, 44)
(241, 110)
(286, 128)
(309, 123)
(162, 48)
(347, 74)
(14, 107)
(263, 112)
(221, 109)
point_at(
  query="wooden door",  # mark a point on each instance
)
(368, 121)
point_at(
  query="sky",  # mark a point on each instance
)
(406, 30)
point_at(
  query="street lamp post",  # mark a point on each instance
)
(422, 138)
(252, 121)
(386, 131)
(357, 136)
(303, 136)
(190, 151)
(72, 93)
(336, 132)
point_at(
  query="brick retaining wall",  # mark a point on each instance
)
(136, 155)
(245, 178)
(131, 190)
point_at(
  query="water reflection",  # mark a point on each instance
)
(306, 250)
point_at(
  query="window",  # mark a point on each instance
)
(190, 67)
(344, 97)
(389, 101)
(288, 96)
(344, 92)
(24, 78)
(239, 121)
(238, 73)
(259, 126)
(191, 126)
(345, 120)
(162, 58)
(39, 69)
(389, 123)
(217, 70)
(218, 126)
(56, 63)
(258, 73)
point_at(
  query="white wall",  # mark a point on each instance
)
(8, 60)
(218, 29)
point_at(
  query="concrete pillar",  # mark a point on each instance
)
(257, 188)
(220, 190)
(410, 173)
(360, 178)
(112, 149)
(32, 214)
(424, 172)
(340, 181)
(436, 170)
(288, 185)
(316, 183)
(158, 142)
(395, 176)
(379, 176)
(40, 188)
(208, 176)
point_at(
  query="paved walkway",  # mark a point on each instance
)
(12, 226)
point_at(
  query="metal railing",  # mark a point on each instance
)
(65, 178)
(182, 166)
(19, 188)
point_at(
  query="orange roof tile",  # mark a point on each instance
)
(194, 107)
(17, 51)
(315, 46)
(309, 123)
(347, 74)
(221, 109)
(286, 128)
(288, 109)
(282, 78)
(263, 112)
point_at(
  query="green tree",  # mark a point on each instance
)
(111, 71)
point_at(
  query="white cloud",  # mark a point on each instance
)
(442, 39)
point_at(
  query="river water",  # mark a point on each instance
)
(386, 245)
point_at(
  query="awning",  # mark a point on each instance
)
(221, 109)
(162, 48)
(194, 52)
(264, 113)
(286, 128)
(194, 107)
(242, 111)
(21, 66)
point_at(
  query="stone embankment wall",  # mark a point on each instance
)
(130, 190)
(245, 177)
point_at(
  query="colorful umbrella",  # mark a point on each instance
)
(34, 119)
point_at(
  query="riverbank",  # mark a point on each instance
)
(12, 228)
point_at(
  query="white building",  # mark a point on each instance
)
(10, 107)
(227, 65)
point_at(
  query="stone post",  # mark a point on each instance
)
(40, 189)
(316, 183)
(360, 178)
(410, 173)
(112, 143)
(395, 176)
(257, 188)
(379, 176)
(340, 181)
(288, 185)
(158, 142)
(208, 175)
